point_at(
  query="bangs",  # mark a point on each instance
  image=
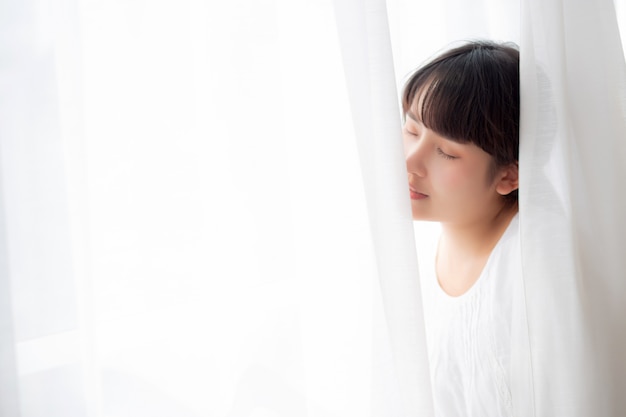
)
(469, 98)
(449, 101)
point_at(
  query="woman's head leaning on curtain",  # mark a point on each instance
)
(462, 117)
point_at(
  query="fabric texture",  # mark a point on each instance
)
(469, 336)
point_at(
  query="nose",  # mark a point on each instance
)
(415, 156)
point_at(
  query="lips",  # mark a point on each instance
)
(416, 195)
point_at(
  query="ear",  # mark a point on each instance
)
(508, 179)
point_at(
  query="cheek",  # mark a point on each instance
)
(461, 181)
(405, 150)
(451, 178)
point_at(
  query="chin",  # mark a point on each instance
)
(421, 217)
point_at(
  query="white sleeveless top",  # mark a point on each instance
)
(469, 337)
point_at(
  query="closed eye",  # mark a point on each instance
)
(445, 155)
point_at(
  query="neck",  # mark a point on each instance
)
(477, 238)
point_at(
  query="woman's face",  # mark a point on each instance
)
(449, 182)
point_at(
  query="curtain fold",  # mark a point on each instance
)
(368, 64)
(572, 155)
(9, 404)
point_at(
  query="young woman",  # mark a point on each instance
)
(461, 145)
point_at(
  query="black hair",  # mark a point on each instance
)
(470, 94)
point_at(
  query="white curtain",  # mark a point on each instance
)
(203, 208)
(184, 227)
(573, 167)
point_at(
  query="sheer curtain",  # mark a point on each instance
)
(184, 227)
(203, 206)
(573, 149)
